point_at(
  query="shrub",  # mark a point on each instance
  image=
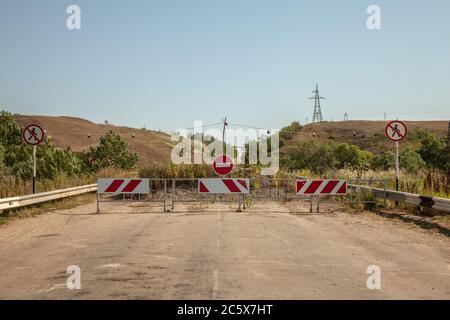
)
(410, 161)
(384, 161)
(112, 152)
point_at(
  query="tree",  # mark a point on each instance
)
(2, 157)
(433, 152)
(383, 161)
(10, 133)
(311, 154)
(16, 157)
(287, 133)
(410, 161)
(351, 156)
(112, 151)
(52, 161)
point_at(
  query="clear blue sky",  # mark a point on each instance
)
(163, 64)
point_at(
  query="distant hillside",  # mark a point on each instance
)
(368, 135)
(74, 132)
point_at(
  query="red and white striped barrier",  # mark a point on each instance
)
(321, 187)
(224, 186)
(123, 186)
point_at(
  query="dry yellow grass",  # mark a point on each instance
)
(368, 135)
(74, 132)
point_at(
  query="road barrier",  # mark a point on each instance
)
(122, 186)
(126, 190)
(320, 187)
(27, 200)
(186, 190)
(309, 190)
(212, 190)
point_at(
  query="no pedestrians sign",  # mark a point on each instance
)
(396, 130)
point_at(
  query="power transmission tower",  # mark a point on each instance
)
(317, 114)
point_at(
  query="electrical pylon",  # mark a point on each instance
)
(317, 114)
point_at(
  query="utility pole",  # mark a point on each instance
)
(223, 135)
(317, 114)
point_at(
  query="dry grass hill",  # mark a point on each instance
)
(368, 135)
(74, 132)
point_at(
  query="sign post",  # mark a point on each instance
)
(396, 131)
(33, 135)
(34, 169)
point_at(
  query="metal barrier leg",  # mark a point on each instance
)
(311, 204)
(239, 203)
(385, 194)
(173, 195)
(243, 200)
(318, 204)
(165, 193)
(98, 204)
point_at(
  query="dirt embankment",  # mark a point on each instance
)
(80, 134)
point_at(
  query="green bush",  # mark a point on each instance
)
(433, 151)
(112, 152)
(321, 156)
(350, 156)
(310, 154)
(384, 161)
(410, 161)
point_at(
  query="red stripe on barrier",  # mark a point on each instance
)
(313, 186)
(329, 187)
(114, 185)
(243, 183)
(131, 185)
(342, 189)
(300, 185)
(203, 188)
(231, 185)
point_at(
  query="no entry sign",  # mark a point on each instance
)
(33, 134)
(396, 130)
(223, 165)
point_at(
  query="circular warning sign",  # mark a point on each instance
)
(396, 130)
(223, 165)
(33, 134)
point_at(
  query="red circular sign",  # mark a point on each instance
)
(33, 134)
(396, 130)
(223, 165)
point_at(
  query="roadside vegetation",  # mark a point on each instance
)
(424, 163)
(56, 168)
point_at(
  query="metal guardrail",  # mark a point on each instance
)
(410, 198)
(22, 201)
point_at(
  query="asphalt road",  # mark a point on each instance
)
(272, 251)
